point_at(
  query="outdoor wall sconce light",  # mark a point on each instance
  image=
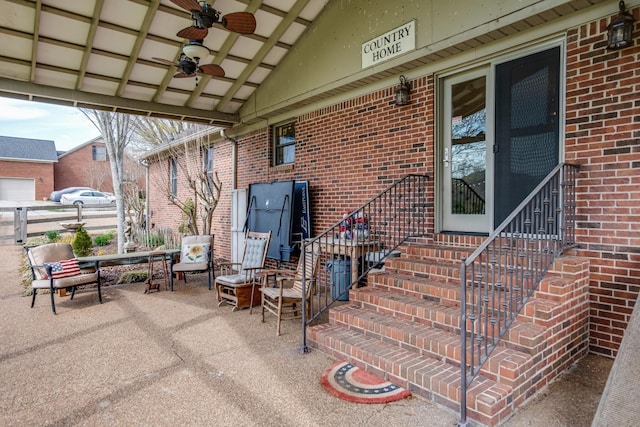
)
(620, 30)
(402, 92)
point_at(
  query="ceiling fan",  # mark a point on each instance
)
(189, 63)
(205, 16)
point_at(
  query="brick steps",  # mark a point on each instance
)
(527, 336)
(427, 377)
(435, 342)
(405, 327)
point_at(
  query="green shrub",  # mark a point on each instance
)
(102, 239)
(52, 235)
(82, 245)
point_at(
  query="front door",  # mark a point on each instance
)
(501, 137)
(466, 171)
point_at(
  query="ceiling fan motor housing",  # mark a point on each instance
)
(187, 66)
(205, 18)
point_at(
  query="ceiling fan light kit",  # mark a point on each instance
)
(196, 50)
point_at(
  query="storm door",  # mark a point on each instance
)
(527, 127)
(500, 138)
(464, 155)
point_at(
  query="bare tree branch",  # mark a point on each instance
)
(200, 194)
(117, 131)
(152, 132)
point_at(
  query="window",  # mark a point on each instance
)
(99, 153)
(173, 176)
(284, 144)
(207, 156)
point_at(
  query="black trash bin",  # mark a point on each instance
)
(340, 277)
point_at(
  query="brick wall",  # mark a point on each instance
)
(78, 169)
(42, 173)
(164, 214)
(348, 152)
(351, 151)
(603, 135)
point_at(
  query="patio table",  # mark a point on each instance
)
(127, 258)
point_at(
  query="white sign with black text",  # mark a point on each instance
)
(389, 45)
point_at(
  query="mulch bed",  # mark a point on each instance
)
(110, 276)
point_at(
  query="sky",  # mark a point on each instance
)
(66, 126)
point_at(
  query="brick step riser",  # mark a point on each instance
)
(416, 263)
(439, 272)
(438, 254)
(446, 319)
(552, 288)
(444, 293)
(457, 240)
(473, 242)
(449, 294)
(378, 365)
(431, 379)
(502, 277)
(438, 344)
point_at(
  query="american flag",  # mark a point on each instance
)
(65, 268)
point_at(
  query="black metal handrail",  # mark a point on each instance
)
(465, 200)
(498, 278)
(350, 248)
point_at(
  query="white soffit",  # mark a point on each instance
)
(107, 47)
(70, 51)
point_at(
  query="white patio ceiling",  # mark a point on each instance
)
(98, 54)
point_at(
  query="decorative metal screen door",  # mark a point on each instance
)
(526, 125)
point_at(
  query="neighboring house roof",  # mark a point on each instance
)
(26, 149)
(74, 149)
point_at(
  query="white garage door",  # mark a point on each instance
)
(17, 189)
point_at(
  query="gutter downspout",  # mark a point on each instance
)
(145, 163)
(234, 158)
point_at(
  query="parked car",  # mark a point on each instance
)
(57, 194)
(87, 197)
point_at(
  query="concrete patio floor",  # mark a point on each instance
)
(176, 358)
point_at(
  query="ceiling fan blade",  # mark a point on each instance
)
(193, 33)
(239, 22)
(183, 75)
(212, 70)
(163, 61)
(188, 4)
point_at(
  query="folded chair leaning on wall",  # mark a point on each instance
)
(196, 256)
(54, 266)
(236, 286)
(286, 299)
